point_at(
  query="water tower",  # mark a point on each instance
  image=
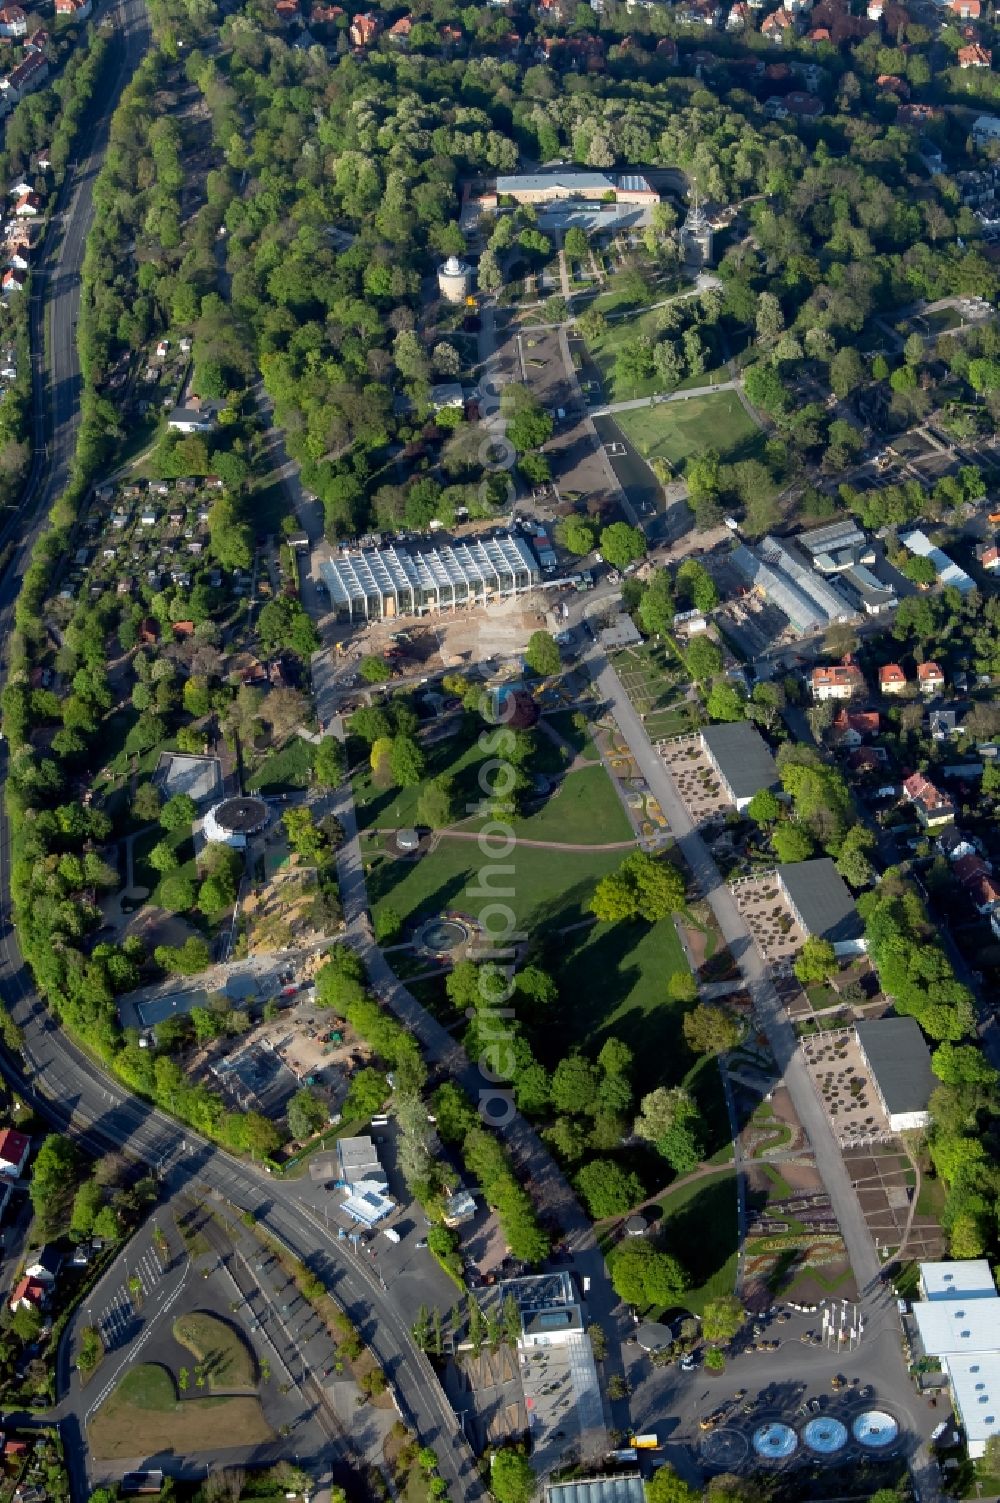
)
(696, 234)
(455, 280)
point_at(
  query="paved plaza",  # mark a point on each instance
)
(696, 780)
(764, 909)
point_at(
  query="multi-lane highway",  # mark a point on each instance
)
(66, 1087)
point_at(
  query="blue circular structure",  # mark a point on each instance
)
(825, 1436)
(775, 1441)
(874, 1429)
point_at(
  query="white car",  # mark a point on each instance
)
(689, 1363)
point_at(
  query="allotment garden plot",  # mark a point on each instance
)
(654, 682)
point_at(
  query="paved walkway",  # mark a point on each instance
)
(658, 398)
(543, 845)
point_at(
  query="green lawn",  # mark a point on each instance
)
(583, 810)
(605, 348)
(675, 431)
(220, 1349)
(699, 1228)
(612, 978)
(546, 887)
(144, 1415)
(582, 742)
(285, 770)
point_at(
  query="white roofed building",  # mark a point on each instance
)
(388, 582)
(959, 1322)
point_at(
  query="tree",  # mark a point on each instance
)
(328, 763)
(178, 813)
(764, 808)
(370, 723)
(622, 545)
(682, 987)
(666, 1487)
(852, 862)
(53, 1180)
(703, 659)
(791, 842)
(146, 804)
(163, 858)
(305, 837)
(306, 1114)
(642, 1276)
(576, 244)
(407, 761)
(722, 1317)
(575, 1084)
(711, 1030)
(176, 892)
(512, 1478)
(656, 608)
(696, 586)
(608, 1189)
(436, 804)
(817, 961)
(642, 887)
(542, 654)
(577, 535)
(374, 670)
(725, 702)
(919, 570)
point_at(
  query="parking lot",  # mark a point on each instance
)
(118, 1320)
(763, 908)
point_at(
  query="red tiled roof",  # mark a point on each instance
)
(13, 1146)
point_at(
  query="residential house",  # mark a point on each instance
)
(37, 42)
(778, 27)
(975, 57)
(943, 724)
(988, 555)
(840, 681)
(24, 79)
(365, 29)
(850, 727)
(965, 10)
(28, 1295)
(28, 206)
(893, 85)
(14, 1150)
(867, 759)
(930, 678)
(953, 845)
(14, 280)
(399, 31)
(933, 807)
(79, 9)
(197, 416)
(968, 869)
(802, 105)
(876, 9)
(891, 679)
(740, 17)
(984, 894)
(920, 114)
(13, 21)
(287, 11)
(818, 34)
(45, 1265)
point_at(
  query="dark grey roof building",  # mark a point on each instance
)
(741, 757)
(900, 1065)
(819, 897)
